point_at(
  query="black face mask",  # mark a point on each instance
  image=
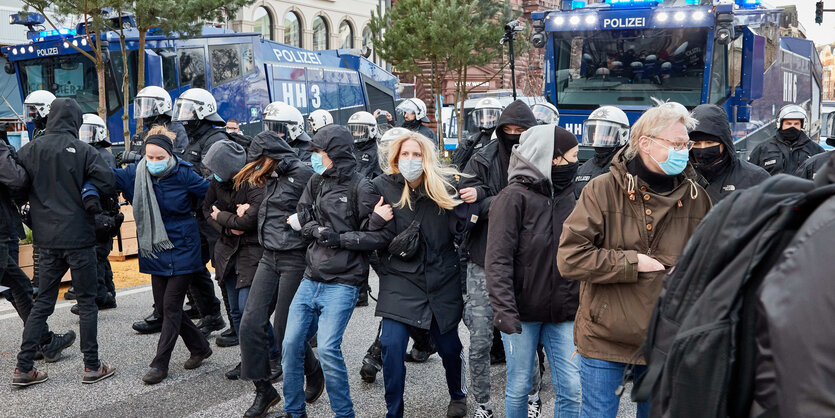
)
(705, 156)
(790, 135)
(604, 154)
(709, 162)
(191, 126)
(509, 140)
(563, 175)
(39, 123)
(411, 124)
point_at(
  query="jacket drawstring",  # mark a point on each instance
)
(694, 191)
(630, 188)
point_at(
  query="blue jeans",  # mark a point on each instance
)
(328, 308)
(600, 379)
(237, 303)
(520, 351)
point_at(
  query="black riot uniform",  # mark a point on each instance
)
(785, 152)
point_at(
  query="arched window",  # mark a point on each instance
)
(346, 35)
(292, 29)
(320, 34)
(263, 22)
(367, 44)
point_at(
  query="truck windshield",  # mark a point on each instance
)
(629, 67)
(72, 76)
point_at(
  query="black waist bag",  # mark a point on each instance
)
(406, 244)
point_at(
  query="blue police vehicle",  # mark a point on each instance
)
(626, 52)
(243, 71)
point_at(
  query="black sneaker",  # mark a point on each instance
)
(223, 341)
(194, 362)
(211, 323)
(52, 350)
(108, 303)
(70, 294)
(229, 332)
(235, 373)
(152, 324)
(457, 408)
(75, 309)
(103, 372)
(20, 379)
(154, 376)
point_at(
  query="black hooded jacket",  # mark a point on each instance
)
(301, 145)
(347, 264)
(283, 190)
(596, 166)
(199, 142)
(470, 146)
(367, 162)
(488, 171)
(778, 156)
(13, 179)
(738, 174)
(58, 164)
(811, 166)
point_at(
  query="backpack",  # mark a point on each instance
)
(353, 192)
(700, 347)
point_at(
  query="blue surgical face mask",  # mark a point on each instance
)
(219, 180)
(156, 167)
(316, 162)
(676, 161)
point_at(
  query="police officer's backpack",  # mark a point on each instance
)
(700, 347)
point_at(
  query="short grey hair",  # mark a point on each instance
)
(655, 120)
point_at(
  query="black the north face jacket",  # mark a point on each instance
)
(778, 156)
(738, 174)
(58, 164)
(13, 178)
(360, 233)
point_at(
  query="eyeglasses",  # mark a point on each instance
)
(678, 146)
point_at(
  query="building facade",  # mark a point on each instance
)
(827, 56)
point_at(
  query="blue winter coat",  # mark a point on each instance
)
(179, 195)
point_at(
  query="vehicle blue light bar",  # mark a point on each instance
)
(56, 32)
(692, 2)
(631, 3)
(748, 4)
(578, 4)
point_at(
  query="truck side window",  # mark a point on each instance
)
(192, 68)
(230, 62)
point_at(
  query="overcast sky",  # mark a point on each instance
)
(820, 34)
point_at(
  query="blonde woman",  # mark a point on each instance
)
(419, 284)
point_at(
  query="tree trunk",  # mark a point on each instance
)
(460, 103)
(102, 109)
(125, 91)
(140, 72)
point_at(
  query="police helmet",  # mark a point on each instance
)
(196, 104)
(486, 113)
(37, 105)
(545, 113)
(606, 127)
(319, 118)
(363, 126)
(414, 106)
(384, 142)
(283, 119)
(152, 101)
(93, 129)
(791, 111)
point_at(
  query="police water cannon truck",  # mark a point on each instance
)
(626, 52)
(243, 71)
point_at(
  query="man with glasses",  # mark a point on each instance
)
(714, 157)
(629, 226)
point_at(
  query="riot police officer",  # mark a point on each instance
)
(36, 109)
(153, 105)
(484, 117)
(413, 114)
(786, 151)
(288, 123)
(607, 131)
(545, 113)
(363, 127)
(318, 119)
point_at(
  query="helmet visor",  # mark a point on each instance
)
(184, 111)
(360, 132)
(280, 128)
(87, 133)
(486, 118)
(30, 113)
(406, 107)
(144, 107)
(602, 134)
(544, 115)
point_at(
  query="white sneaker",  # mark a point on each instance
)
(534, 409)
(483, 412)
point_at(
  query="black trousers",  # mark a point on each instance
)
(104, 274)
(278, 276)
(20, 287)
(169, 294)
(202, 288)
(53, 264)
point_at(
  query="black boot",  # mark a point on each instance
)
(150, 325)
(275, 370)
(315, 385)
(211, 323)
(70, 294)
(362, 300)
(372, 363)
(227, 338)
(265, 398)
(235, 373)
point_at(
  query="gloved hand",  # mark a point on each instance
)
(329, 238)
(92, 204)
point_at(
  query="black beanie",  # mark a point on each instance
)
(704, 136)
(563, 141)
(161, 141)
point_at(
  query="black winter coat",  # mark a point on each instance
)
(106, 155)
(368, 164)
(359, 234)
(198, 145)
(778, 156)
(415, 291)
(282, 193)
(590, 169)
(810, 167)
(58, 164)
(522, 276)
(13, 178)
(738, 174)
(301, 145)
(488, 175)
(246, 246)
(470, 146)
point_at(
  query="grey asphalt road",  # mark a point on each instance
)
(204, 392)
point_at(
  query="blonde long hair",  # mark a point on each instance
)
(437, 178)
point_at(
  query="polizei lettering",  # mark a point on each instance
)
(47, 52)
(625, 22)
(299, 57)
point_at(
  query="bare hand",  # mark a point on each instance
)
(236, 232)
(215, 211)
(242, 209)
(384, 211)
(376, 113)
(468, 195)
(648, 264)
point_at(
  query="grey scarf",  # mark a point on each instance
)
(150, 230)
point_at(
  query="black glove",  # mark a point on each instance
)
(105, 227)
(92, 204)
(329, 238)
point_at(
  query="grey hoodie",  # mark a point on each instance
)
(225, 158)
(533, 157)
